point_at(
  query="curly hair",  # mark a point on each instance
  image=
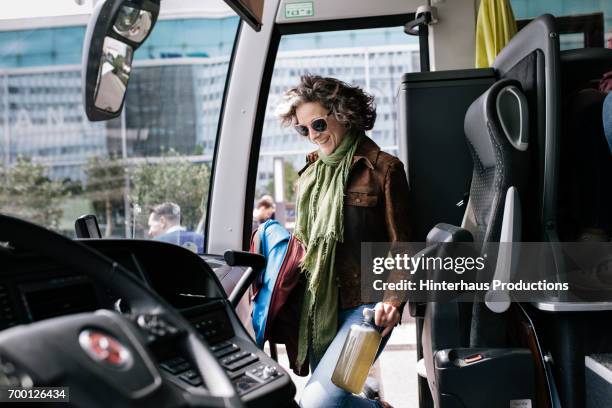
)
(349, 104)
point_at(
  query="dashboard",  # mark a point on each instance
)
(34, 288)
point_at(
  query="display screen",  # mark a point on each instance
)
(59, 297)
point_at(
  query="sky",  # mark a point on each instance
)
(45, 8)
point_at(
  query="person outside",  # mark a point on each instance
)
(165, 225)
(263, 211)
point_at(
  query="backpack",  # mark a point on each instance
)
(278, 291)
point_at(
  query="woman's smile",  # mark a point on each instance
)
(322, 140)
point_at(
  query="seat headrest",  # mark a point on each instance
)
(498, 116)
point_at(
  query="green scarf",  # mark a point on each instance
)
(320, 225)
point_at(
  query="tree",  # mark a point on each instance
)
(172, 179)
(105, 186)
(28, 193)
(291, 176)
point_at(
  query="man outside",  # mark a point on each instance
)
(165, 225)
(263, 211)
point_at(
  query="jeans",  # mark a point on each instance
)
(607, 119)
(320, 391)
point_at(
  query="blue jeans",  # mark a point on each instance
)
(320, 391)
(607, 119)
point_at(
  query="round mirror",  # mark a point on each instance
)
(133, 24)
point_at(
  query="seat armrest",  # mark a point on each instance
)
(498, 301)
(443, 232)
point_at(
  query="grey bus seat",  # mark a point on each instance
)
(496, 128)
(509, 177)
(586, 164)
(496, 131)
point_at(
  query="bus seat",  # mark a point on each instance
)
(586, 165)
(583, 68)
(532, 57)
(585, 197)
(496, 128)
(510, 176)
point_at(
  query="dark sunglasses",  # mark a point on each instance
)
(318, 125)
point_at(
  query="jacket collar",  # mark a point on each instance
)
(368, 151)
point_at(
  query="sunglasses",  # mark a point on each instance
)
(318, 125)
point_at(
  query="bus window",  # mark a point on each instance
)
(580, 24)
(373, 58)
(55, 165)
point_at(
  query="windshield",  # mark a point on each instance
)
(145, 174)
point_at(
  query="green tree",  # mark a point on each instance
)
(174, 179)
(105, 185)
(28, 193)
(291, 176)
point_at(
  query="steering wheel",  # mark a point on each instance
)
(103, 356)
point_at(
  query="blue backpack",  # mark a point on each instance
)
(271, 240)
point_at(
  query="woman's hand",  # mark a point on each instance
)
(386, 315)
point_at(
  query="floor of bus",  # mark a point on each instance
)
(395, 369)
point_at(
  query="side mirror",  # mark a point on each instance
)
(116, 29)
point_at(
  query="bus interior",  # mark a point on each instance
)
(149, 110)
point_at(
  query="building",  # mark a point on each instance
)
(175, 92)
(42, 117)
(41, 111)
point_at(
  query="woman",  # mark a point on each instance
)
(349, 192)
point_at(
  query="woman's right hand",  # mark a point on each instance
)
(386, 315)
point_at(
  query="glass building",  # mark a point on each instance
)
(42, 117)
(176, 90)
(173, 99)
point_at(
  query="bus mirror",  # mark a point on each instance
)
(116, 29)
(113, 75)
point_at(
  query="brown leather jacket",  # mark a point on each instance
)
(375, 210)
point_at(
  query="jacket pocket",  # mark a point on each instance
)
(361, 199)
